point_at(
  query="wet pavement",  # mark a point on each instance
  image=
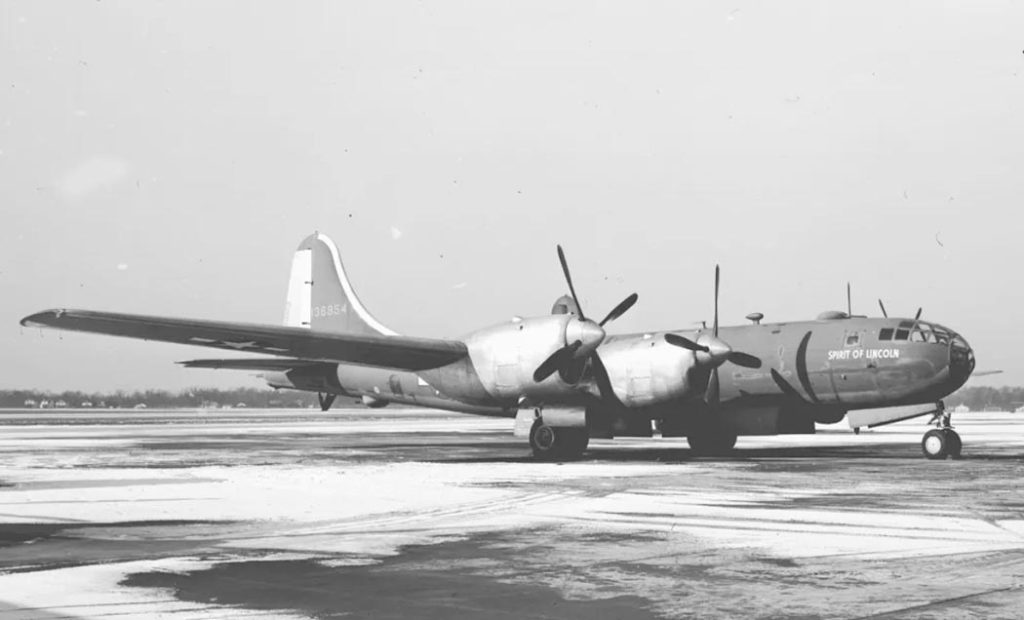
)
(419, 514)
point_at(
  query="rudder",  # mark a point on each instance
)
(320, 295)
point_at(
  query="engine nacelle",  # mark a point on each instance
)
(648, 372)
(505, 356)
(321, 377)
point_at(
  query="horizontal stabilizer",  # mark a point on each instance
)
(985, 373)
(255, 363)
(383, 351)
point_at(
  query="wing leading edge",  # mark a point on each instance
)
(399, 352)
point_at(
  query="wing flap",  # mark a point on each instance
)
(399, 352)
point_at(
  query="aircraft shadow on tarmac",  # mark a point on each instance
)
(683, 454)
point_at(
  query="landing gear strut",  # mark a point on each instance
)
(942, 441)
(326, 400)
(551, 443)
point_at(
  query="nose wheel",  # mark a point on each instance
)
(942, 441)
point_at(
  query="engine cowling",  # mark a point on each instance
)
(373, 402)
(320, 377)
(649, 371)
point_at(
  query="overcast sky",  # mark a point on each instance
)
(166, 158)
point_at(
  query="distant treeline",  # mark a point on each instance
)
(1004, 398)
(191, 398)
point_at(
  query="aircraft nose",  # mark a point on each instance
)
(586, 331)
(961, 360)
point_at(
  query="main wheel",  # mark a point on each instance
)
(956, 445)
(551, 443)
(936, 444)
(711, 438)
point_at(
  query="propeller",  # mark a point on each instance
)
(712, 351)
(849, 301)
(556, 360)
(583, 336)
(786, 388)
(917, 316)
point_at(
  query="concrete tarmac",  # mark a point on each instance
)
(421, 514)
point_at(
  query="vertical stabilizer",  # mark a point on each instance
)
(320, 295)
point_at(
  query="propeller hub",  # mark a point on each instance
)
(585, 331)
(718, 351)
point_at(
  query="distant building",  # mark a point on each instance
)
(961, 409)
(60, 403)
(140, 406)
(86, 404)
(1019, 409)
(30, 402)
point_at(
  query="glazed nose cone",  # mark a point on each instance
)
(961, 360)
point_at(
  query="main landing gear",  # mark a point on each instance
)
(326, 400)
(551, 443)
(709, 437)
(942, 441)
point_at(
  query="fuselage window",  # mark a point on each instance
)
(885, 334)
(902, 334)
(852, 340)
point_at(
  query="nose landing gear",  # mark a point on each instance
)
(942, 441)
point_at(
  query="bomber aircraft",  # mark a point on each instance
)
(565, 380)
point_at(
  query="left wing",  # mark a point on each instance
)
(399, 352)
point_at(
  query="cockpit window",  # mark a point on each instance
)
(885, 333)
(918, 336)
(907, 324)
(902, 334)
(852, 340)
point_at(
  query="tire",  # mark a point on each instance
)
(543, 441)
(935, 444)
(956, 445)
(551, 443)
(710, 438)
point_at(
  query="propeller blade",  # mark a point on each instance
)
(685, 343)
(849, 303)
(715, 332)
(568, 279)
(555, 361)
(711, 393)
(786, 388)
(882, 306)
(620, 309)
(604, 383)
(916, 318)
(745, 360)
